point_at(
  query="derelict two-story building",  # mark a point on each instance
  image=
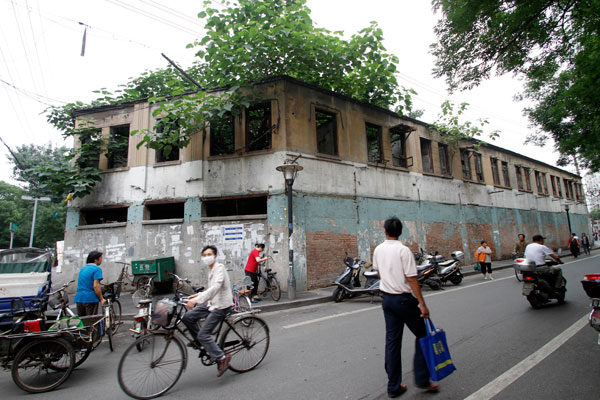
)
(361, 164)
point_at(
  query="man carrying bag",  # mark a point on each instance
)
(402, 304)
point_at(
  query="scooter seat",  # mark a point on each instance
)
(446, 263)
(370, 274)
(423, 267)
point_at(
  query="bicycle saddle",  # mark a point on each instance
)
(145, 301)
(198, 288)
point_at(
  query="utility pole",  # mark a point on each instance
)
(35, 204)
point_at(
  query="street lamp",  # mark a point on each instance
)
(290, 170)
(568, 218)
(35, 205)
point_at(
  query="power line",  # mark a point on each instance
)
(36, 48)
(171, 11)
(32, 95)
(24, 45)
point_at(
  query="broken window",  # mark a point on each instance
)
(98, 216)
(258, 127)
(234, 206)
(168, 152)
(398, 139)
(478, 167)
(505, 174)
(538, 182)
(326, 124)
(426, 156)
(527, 173)
(567, 193)
(90, 141)
(519, 177)
(558, 188)
(155, 212)
(544, 182)
(373, 143)
(117, 148)
(444, 159)
(495, 172)
(553, 184)
(465, 161)
(222, 135)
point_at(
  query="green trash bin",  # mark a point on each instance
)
(155, 268)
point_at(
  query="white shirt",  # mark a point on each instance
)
(219, 294)
(395, 262)
(537, 252)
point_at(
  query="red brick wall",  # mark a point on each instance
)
(325, 252)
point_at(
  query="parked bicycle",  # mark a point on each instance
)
(268, 282)
(125, 277)
(241, 295)
(152, 371)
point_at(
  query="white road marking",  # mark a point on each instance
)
(500, 383)
(312, 321)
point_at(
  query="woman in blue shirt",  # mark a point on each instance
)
(89, 291)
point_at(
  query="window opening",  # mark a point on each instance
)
(527, 173)
(444, 159)
(222, 135)
(258, 127)
(538, 182)
(495, 172)
(326, 124)
(398, 138)
(373, 143)
(426, 156)
(505, 174)
(558, 188)
(168, 152)
(118, 146)
(465, 164)
(478, 167)
(234, 207)
(98, 216)
(90, 140)
(544, 182)
(155, 212)
(519, 177)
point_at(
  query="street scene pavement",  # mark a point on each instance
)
(502, 348)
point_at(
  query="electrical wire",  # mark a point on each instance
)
(37, 53)
(24, 46)
(171, 11)
(32, 95)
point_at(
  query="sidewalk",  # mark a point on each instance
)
(322, 295)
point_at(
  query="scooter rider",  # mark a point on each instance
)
(537, 252)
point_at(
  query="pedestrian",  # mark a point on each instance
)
(573, 244)
(585, 243)
(89, 291)
(402, 303)
(252, 266)
(213, 304)
(484, 257)
(520, 246)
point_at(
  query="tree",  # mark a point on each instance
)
(553, 44)
(50, 219)
(244, 44)
(595, 214)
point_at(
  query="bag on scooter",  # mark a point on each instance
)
(435, 350)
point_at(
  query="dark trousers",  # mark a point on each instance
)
(204, 334)
(486, 267)
(398, 310)
(254, 277)
(84, 309)
(575, 251)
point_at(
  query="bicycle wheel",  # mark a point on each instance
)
(115, 318)
(154, 370)
(32, 371)
(244, 303)
(247, 343)
(81, 351)
(108, 330)
(275, 289)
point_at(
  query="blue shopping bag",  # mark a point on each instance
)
(435, 350)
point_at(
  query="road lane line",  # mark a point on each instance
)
(312, 321)
(503, 381)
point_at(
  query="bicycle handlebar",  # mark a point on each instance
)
(63, 287)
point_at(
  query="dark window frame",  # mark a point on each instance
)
(465, 162)
(400, 160)
(175, 153)
(117, 151)
(495, 171)
(161, 211)
(234, 206)
(377, 140)
(505, 175)
(444, 155)
(426, 144)
(260, 138)
(224, 129)
(105, 215)
(527, 174)
(544, 179)
(519, 175)
(538, 182)
(323, 130)
(92, 137)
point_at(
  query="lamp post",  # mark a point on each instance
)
(35, 204)
(568, 218)
(290, 170)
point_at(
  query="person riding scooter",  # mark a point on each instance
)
(538, 252)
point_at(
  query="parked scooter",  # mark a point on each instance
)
(539, 287)
(427, 274)
(348, 282)
(591, 285)
(448, 270)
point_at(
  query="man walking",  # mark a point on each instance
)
(402, 304)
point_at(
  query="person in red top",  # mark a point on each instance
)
(252, 268)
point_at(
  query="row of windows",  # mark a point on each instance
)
(256, 205)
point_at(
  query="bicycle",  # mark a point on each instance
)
(241, 295)
(124, 276)
(269, 283)
(112, 310)
(153, 371)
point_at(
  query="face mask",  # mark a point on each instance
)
(208, 260)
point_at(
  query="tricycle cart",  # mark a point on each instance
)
(42, 360)
(152, 271)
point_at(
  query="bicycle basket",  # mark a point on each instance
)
(163, 312)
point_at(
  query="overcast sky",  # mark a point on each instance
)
(40, 61)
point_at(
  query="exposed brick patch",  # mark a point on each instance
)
(325, 252)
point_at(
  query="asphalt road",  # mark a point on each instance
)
(501, 346)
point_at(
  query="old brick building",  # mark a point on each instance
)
(361, 163)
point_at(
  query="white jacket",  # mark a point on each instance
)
(219, 294)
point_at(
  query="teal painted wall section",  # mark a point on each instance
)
(72, 221)
(135, 212)
(192, 210)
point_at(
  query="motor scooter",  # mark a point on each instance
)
(591, 285)
(348, 282)
(539, 285)
(448, 270)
